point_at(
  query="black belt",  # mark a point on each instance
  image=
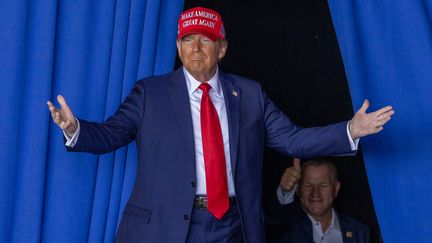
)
(201, 202)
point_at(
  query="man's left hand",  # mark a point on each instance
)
(363, 124)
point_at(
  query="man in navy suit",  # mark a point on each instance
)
(313, 219)
(192, 124)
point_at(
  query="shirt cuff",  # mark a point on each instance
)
(353, 143)
(71, 141)
(285, 197)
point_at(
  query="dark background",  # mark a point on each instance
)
(290, 47)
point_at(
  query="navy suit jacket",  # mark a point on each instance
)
(290, 224)
(157, 116)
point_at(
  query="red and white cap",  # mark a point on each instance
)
(201, 20)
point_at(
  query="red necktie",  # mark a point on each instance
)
(214, 156)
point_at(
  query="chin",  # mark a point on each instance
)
(316, 210)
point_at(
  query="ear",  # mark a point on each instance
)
(337, 187)
(178, 43)
(223, 45)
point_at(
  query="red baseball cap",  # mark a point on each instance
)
(201, 20)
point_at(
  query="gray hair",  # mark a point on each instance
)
(321, 162)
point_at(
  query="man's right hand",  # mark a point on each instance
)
(63, 117)
(291, 176)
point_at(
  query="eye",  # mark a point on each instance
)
(306, 186)
(206, 41)
(323, 186)
(187, 40)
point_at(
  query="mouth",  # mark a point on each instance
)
(315, 201)
(197, 58)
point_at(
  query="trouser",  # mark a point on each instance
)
(205, 228)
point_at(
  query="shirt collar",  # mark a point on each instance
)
(334, 221)
(193, 84)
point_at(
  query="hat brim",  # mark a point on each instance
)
(210, 35)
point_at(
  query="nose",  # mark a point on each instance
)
(196, 46)
(315, 192)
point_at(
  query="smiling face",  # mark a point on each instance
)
(318, 190)
(200, 55)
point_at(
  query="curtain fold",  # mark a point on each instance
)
(91, 52)
(386, 47)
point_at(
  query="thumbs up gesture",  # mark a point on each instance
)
(291, 176)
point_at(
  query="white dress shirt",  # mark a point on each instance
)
(217, 98)
(333, 234)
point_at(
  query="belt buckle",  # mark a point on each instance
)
(202, 202)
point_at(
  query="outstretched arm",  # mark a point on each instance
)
(363, 124)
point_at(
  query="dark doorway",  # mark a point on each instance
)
(290, 47)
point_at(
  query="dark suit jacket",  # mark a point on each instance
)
(157, 115)
(290, 224)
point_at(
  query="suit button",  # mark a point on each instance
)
(186, 217)
(192, 184)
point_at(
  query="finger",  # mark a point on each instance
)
(287, 171)
(62, 124)
(290, 173)
(64, 106)
(378, 129)
(66, 124)
(286, 185)
(383, 111)
(53, 112)
(286, 188)
(294, 173)
(296, 163)
(57, 118)
(364, 107)
(51, 107)
(50, 104)
(386, 114)
(285, 181)
(293, 180)
(383, 121)
(54, 115)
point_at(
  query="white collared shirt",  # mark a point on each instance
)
(216, 95)
(333, 234)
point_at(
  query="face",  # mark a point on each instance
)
(200, 55)
(317, 191)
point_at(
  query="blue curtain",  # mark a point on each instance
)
(91, 52)
(387, 52)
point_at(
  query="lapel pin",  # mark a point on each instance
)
(349, 234)
(235, 93)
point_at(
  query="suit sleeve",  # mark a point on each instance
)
(118, 130)
(285, 137)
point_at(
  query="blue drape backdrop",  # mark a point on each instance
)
(386, 47)
(92, 52)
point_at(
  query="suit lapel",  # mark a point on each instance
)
(232, 103)
(178, 94)
(306, 226)
(346, 230)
